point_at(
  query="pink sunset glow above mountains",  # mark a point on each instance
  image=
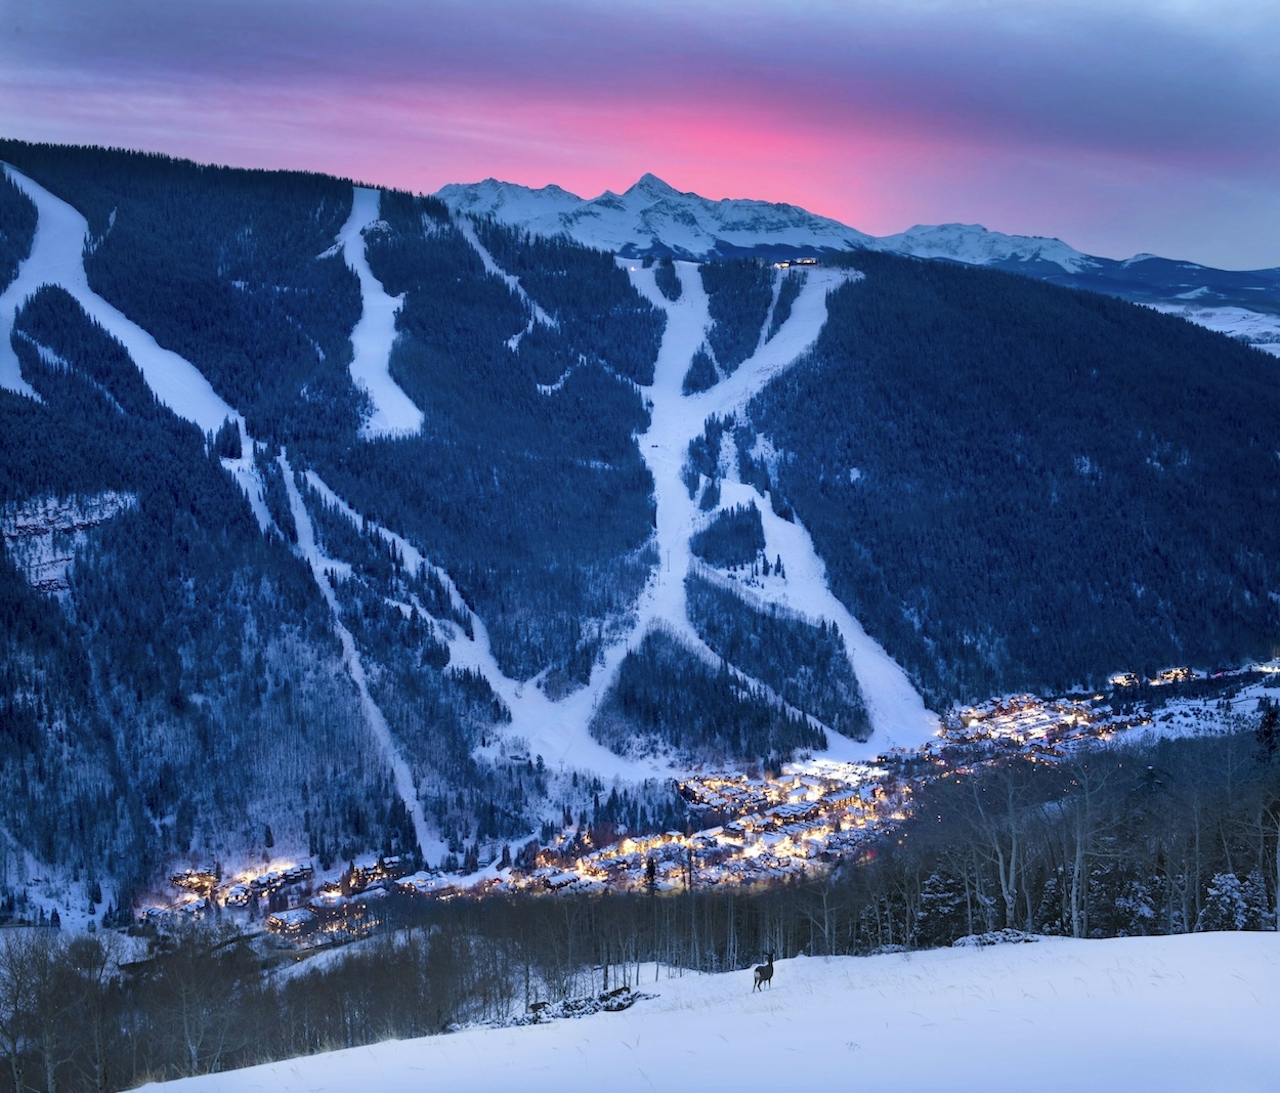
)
(1148, 128)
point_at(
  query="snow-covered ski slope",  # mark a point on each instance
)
(898, 715)
(406, 788)
(394, 412)
(57, 258)
(1183, 1014)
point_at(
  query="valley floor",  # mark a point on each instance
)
(1191, 1012)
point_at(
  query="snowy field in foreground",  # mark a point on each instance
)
(1193, 1012)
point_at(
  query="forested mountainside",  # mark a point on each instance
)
(186, 690)
(246, 611)
(1020, 487)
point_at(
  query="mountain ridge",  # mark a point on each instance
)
(653, 219)
(512, 203)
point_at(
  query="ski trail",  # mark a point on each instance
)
(897, 712)
(674, 421)
(394, 413)
(898, 715)
(513, 282)
(57, 258)
(413, 557)
(381, 731)
(555, 730)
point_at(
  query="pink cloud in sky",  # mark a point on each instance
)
(1117, 127)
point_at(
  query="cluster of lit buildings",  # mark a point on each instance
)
(750, 828)
(1029, 725)
(762, 828)
(1019, 719)
(337, 907)
(1162, 678)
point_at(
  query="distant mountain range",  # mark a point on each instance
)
(653, 218)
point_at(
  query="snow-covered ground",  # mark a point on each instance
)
(394, 413)
(1258, 329)
(52, 888)
(1182, 717)
(1193, 1012)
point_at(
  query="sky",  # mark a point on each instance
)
(1120, 126)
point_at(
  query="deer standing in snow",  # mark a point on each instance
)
(764, 973)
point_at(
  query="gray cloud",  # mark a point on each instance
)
(1102, 87)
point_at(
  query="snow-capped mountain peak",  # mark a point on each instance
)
(653, 217)
(508, 202)
(975, 245)
(651, 186)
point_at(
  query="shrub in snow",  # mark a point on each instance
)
(993, 937)
(614, 1001)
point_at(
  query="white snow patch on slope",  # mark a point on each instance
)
(1179, 1014)
(394, 412)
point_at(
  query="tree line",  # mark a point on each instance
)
(17, 229)
(666, 698)
(1157, 837)
(739, 292)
